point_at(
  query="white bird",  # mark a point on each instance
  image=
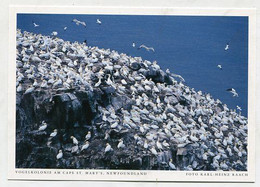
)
(29, 90)
(178, 76)
(172, 166)
(227, 47)
(98, 22)
(159, 145)
(121, 144)
(79, 22)
(165, 144)
(54, 133)
(59, 155)
(85, 146)
(108, 147)
(43, 126)
(145, 144)
(233, 91)
(133, 44)
(147, 48)
(65, 28)
(75, 141)
(239, 108)
(19, 88)
(153, 150)
(54, 33)
(35, 84)
(35, 25)
(99, 82)
(114, 125)
(219, 66)
(109, 81)
(88, 136)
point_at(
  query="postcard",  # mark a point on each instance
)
(132, 94)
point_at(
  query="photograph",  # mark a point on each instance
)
(131, 92)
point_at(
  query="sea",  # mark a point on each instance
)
(191, 46)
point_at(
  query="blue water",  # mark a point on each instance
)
(191, 46)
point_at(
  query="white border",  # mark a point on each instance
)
(151, 175)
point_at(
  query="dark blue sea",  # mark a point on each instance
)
(191, 46)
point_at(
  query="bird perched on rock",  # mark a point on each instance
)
(108, 148)
(121, 144)
(85, 146)
(74, 140)
(54, 133)
(88, 136)
(59, 155)
(43, 126)
(172, 166)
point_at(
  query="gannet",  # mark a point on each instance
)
(145, 144)
(19, 88)
(219, 66)
(121, 144)
(227, 47)
(79, 22)
(43, 126)
(35, 25)
(239, 108)
(147, 48)
(54, 33)
(233, 91)
(54, 133)
(165, 144)
(108, 147)
(172, 166)
(114, 125)
(153, 150)
(159, 145)
(65, 28)
(75, 141)
(133, 44)
(35, 84)
(88, 136)
(85, 146)
(98, 22)
(59, 155)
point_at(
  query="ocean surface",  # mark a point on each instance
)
(191, 46)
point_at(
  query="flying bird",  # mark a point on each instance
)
(233, 91)
(98, 22)
(147, 48)
(220, 67)
(239, 108)
(175, 75)
(54, 33)
(227, 47)
(35, 25)
(79, 22)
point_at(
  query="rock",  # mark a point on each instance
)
(135, 66)
(121, 102)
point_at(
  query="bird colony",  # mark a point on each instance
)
(196, 131)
